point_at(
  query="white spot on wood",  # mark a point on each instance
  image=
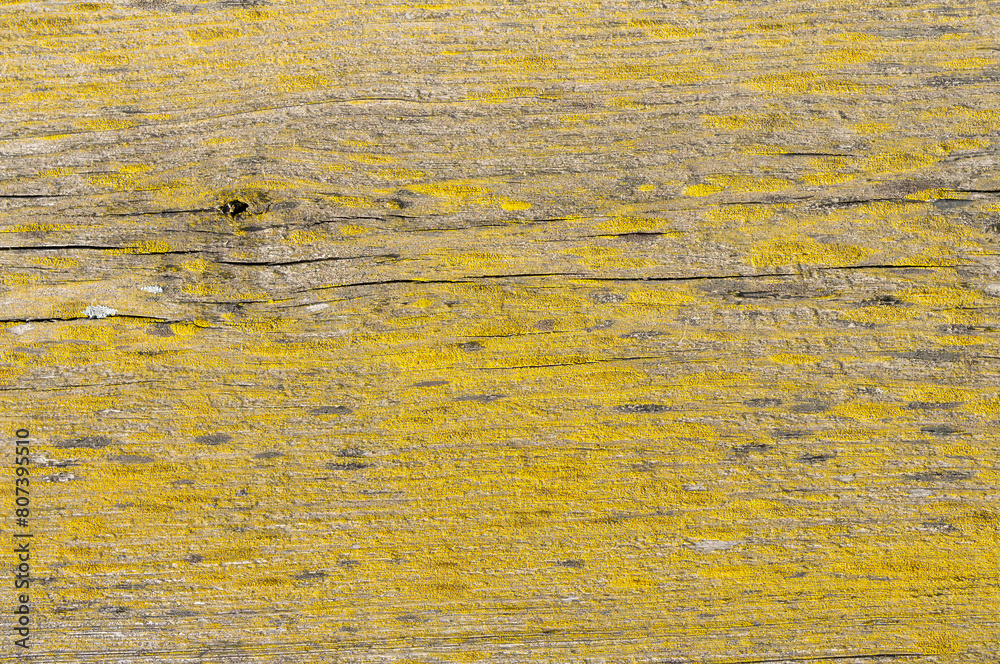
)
(152, 289)
(318, 307)
(99, 311)
(21, 329)
(992, 289)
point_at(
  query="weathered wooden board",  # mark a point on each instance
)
(537, 332)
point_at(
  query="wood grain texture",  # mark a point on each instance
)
(550, 332)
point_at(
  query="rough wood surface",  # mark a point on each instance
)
(538, 332)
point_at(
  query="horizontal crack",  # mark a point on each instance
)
(588, 277)
(452, 228)
(572, 364)
(68, 318)
(387, 282)
(303, 261)
(692, 278)
(813, 154)
(863, 201)
(337, 220)
(828, 658)
(634, 234)
(888, 267)
(98, 247)
(156, 212)
(34, 195)
(72, 385)
(53, 247)
(460, 280)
